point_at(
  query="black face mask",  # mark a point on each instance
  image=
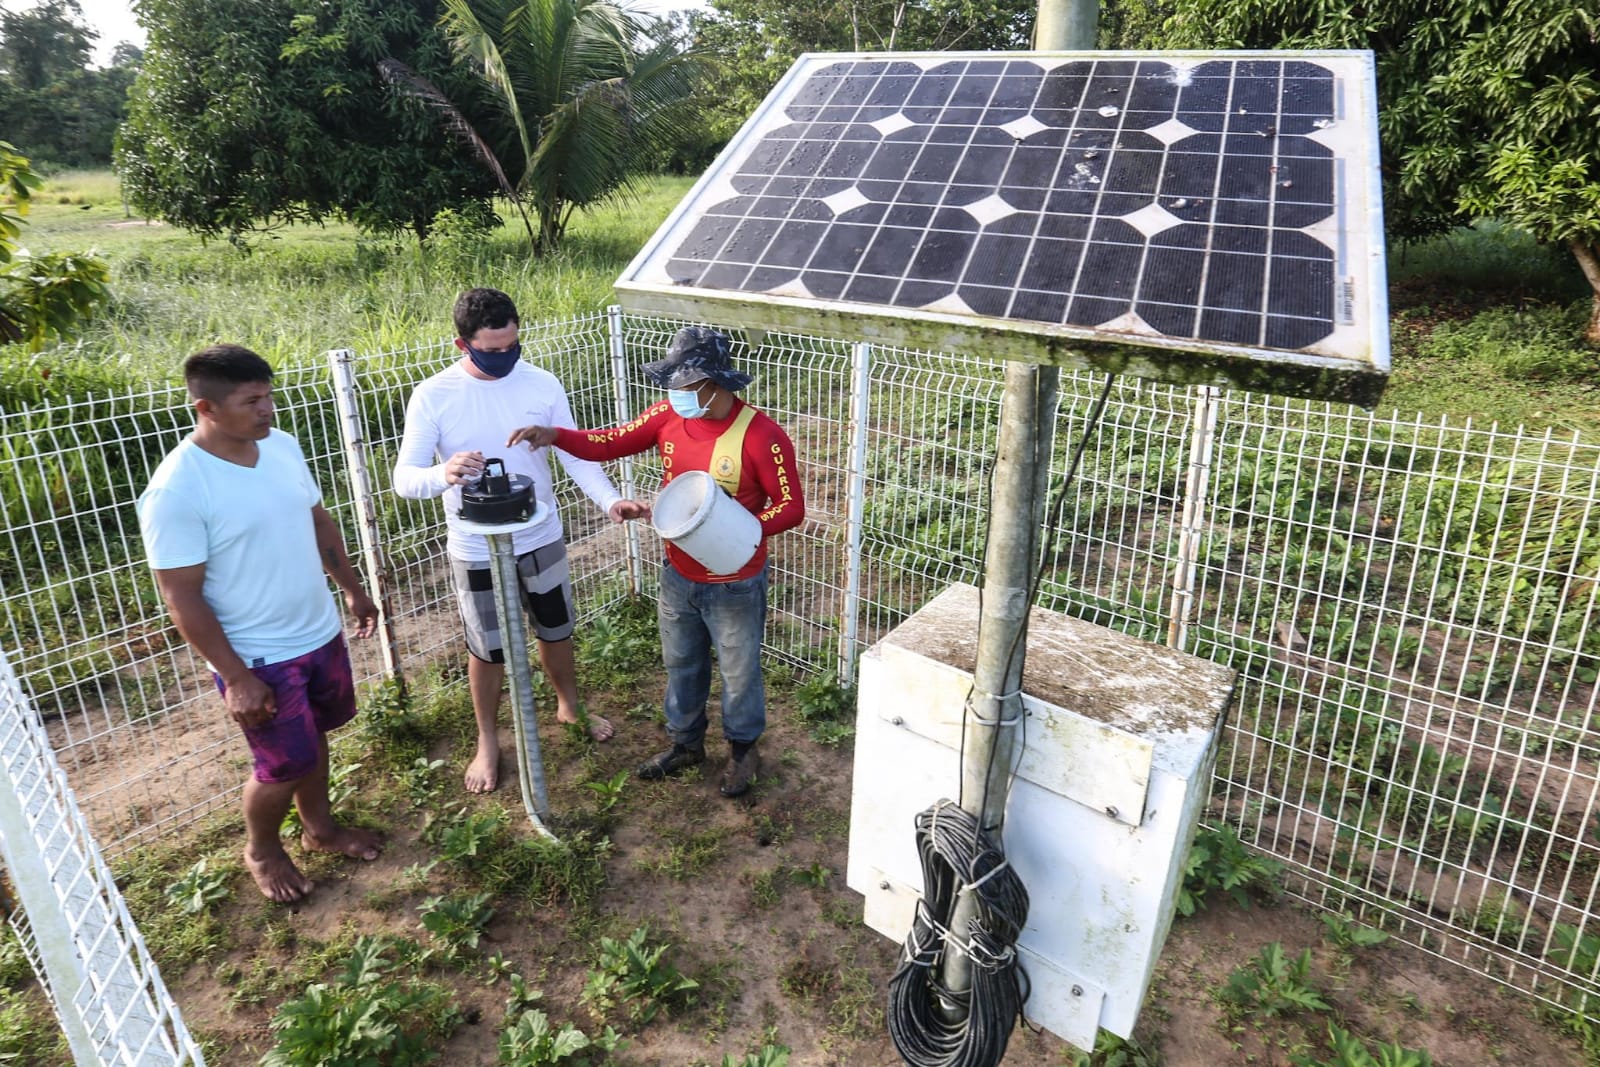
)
(494, 364)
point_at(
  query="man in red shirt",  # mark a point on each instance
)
(702, 425)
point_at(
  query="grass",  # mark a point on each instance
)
(1487, 323)
(301, 290)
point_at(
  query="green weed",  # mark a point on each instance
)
(29, 1032)
(765, 1056)
(1350, 1051)
(1272, 985)
(1344, 932)
(1113, 1051)
(200, 888)
(634, 973)
(1218, 860)
(532, 1042)
(457, 922)
(608, 792)
(826, 709)
(687, 852)
(367, 1014)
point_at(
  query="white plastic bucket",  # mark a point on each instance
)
(694, 513)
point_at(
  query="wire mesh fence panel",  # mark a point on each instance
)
(73, 924)
(1413, 607)
(126, 701)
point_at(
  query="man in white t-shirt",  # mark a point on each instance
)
(235, 531)
(454, 421)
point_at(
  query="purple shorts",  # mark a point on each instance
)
(315, 693)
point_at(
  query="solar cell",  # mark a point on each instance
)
(1191, 216)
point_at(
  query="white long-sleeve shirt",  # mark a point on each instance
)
(455, 412)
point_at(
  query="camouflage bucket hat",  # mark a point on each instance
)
(697, 353)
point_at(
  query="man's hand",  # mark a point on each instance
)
(364, 611)
(625, 509)
(463, 468)
(249, 700)
(535, 436)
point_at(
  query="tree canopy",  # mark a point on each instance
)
(252, 112)
(755, 41)
(584, 94)
(40, 296)
(57, 108)
(1485, 109)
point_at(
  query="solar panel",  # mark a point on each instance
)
(1195, 217)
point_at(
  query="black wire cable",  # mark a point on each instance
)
(931, 1025)
(957, 854)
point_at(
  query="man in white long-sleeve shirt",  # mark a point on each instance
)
(455, 420)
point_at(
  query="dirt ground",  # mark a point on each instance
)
(751, 895)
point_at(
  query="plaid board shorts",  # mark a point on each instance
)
(546, 594)
(315, 693)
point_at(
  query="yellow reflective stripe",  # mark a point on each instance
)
(727, 456)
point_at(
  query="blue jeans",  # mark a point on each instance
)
(694, 617)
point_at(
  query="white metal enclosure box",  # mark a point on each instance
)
(1116, 753)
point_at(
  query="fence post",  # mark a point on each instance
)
(860, 410)
(619, 385)
(374, 562)
(1197, 483)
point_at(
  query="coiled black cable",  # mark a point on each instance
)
(955, 854)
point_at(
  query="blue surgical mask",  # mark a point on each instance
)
(495, 364)
(686, 402)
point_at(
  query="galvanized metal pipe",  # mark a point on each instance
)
(514, 639)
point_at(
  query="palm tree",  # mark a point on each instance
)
(582, 93)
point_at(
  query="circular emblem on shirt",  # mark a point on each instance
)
(724, 467)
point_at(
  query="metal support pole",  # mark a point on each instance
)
(1202, 440)
(1027, 428)
(1063, 25)
(850, 613)
(514, 639)
(368, 532)
(624, 412)
(1016, 509)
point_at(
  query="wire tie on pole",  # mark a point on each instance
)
(996, 869)
(981, 721)
(951, 940)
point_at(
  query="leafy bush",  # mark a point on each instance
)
(1218, 860)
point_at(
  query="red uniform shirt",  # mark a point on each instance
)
(769, 480)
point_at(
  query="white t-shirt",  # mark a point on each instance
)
(252, 528)
(454, 412)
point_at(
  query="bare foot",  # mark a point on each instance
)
(347, 841)
(277, 877)
(483, 773)
(600, 729)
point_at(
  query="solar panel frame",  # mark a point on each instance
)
(913, 230)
